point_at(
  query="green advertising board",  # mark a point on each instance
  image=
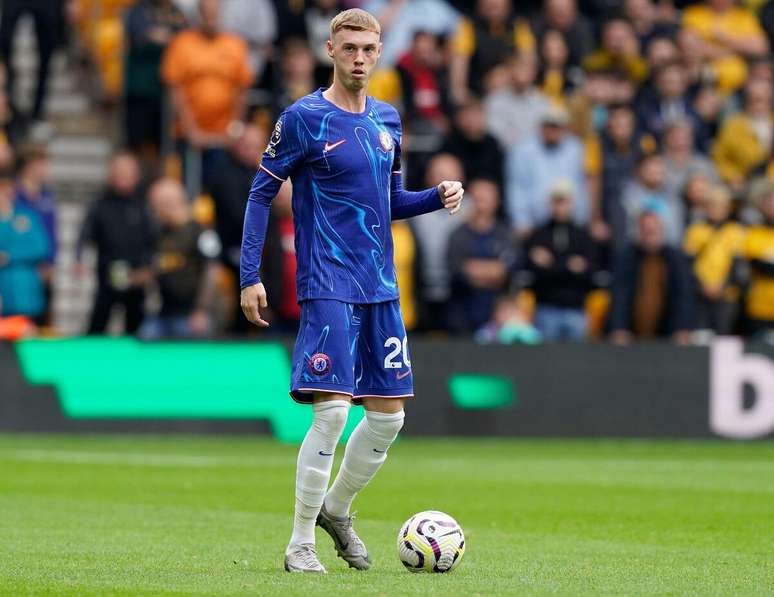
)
(123, 378)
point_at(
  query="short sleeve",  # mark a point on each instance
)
(464, 39)
(287, 146)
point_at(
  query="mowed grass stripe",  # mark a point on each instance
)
(541, 517)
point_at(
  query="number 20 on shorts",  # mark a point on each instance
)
(397, 347)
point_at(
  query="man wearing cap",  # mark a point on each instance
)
(560, 258)
(533, 167)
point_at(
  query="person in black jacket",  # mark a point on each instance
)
(481, 255)
(230, 188)
(652, 291)
(119, 227)
(473, 145)
(560, 258)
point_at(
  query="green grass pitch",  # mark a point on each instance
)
(138, 515)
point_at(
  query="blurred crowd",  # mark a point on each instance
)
(618, 157)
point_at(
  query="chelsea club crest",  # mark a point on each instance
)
(386, 140)
(320, 363)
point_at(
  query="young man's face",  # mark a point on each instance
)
(354, 55)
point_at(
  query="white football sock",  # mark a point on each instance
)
(315, 459)
(366, 451)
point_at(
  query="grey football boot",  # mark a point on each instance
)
(303, 558)
(349, 547)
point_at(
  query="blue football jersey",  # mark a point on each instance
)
(345, 170)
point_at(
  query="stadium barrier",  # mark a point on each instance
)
(463, 389)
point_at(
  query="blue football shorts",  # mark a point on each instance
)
(351, 348)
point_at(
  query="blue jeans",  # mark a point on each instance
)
(156, 327)
(560, 323)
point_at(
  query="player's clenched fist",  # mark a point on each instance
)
(451, 193)
(252, 299)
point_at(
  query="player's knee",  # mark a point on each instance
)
(330, 417)
(385, 426)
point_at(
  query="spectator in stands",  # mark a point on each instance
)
(759, 251)
(46, 16)
(659, 52)
(715, 246)
(23, 248)
(651, 288)
(588, 107)
(489, 38)
(647, 21)
(510, 324)
(317, 29)
(766, 17)
(745, 143)
(533, 166)
(279, 265)
(296, 74)
(149, 26)
(470, 142)
(563, 16)
(620, 50)
(620, 148)
(256, 23)
(33, 193)
(513, 113)
(681, 160)
(648, 192)
(694, 198)
(559, 256)
(433, 231)
(230, 188)
(401, 19)
(481, 256)
(208, 72)
(668, 101)
(730, 34)
(423, 84)
(557, 78)
(182, 266)
(690, 48)
(119, 227)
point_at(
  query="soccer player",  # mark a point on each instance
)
(341, 149)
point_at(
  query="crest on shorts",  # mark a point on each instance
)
(276, 136)
(386, 140)
(320, 363)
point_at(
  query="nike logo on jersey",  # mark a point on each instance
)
(379, 451)
(332, 146)
(321, 453)
(402, 375)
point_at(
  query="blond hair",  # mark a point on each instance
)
(355, 19)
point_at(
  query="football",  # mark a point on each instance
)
(431, 541)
